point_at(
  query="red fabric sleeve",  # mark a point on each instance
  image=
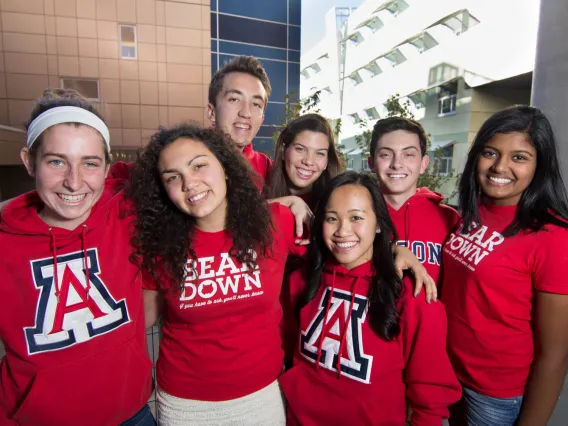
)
(550, 260)
(120, 170)
(292, 290)
(285, 228)
(431, 385)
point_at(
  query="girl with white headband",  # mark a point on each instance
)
(71, 306)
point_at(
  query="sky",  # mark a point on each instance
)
(313, 12)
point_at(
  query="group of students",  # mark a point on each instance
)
(200, 230)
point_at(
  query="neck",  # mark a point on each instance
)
(215, 221)
(52, 220)
(299, 191)
(396, 201)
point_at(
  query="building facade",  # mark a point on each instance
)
(269, 30)
(445, 58)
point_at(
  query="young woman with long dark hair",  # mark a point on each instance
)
(505, 287)
(366, 346)
(306, 158)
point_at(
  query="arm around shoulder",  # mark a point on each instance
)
(153, 303)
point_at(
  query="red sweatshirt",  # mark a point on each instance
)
(489, 286)
(75, 351)
(423, 225)
(221, 337)
(376, 378)
(259, 161)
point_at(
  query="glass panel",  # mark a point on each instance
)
(127, 34)
(87, 88)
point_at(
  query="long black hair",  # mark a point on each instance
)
(544, 201)
(386, 286)
(163, 237)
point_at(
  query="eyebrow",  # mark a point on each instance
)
(403, 149)
(518, 151)
(163, 172)
(238, 92)
(348, 211)
(304, 146)
(85, 157)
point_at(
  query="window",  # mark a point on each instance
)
(447, 100)
(374, 24)
(355, 38)
(341, 16)
(373, 69)
(355, 117)
(460, 21)
(395, 57)
(423, 42)
(395, 7)
(418, 99)
(355, 78)
(127, 41)
(372, 113)
(88, 88)
(443, 166)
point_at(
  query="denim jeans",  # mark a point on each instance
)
(141, 418)
(481, 410)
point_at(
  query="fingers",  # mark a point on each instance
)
(303, 242)
(398, 271)
(299, 226)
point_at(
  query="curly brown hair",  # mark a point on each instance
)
(164, 235)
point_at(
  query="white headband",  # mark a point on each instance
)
(66, 114)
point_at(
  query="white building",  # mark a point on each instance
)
(456, 61)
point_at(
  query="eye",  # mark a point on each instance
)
(171, 178)
(410, 155)
(91, 165)
(233, 100)
(355, 218)
(488, 154)
(384, 155)
(256, 104)
(199, 166)
(299, 148)
(56, 163)
(330, 219)
(322, 154)
(519, 157)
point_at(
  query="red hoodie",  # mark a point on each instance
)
(259, 161)
(75, 352)
(423, 225)
(376, 377)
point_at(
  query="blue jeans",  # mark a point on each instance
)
(141, 418)
(481, 410)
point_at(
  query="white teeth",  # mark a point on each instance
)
(71, 198)
(346, 245)
(499, 180)
(305, 172)
(198, 196)
(397, 176)
(242, 126)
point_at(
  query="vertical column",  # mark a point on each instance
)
(550, 93)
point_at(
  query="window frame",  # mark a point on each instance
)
(121, 45)
(62, 85)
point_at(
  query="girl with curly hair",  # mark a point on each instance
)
(306, 159)
(364, 347)
(213, 252)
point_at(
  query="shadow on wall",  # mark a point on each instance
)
(14, 180)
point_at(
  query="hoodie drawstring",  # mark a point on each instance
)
(345, 328)
(55, 268)
(54, 254)
(85, 258)
(320, 344)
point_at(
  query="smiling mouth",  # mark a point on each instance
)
(397, 176)
(72, 199)
(346, 245)
(198, 197)
(305, 174)
(243, 127)
(500, 181)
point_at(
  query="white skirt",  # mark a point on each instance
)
(261, 408)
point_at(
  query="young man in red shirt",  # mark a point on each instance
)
(398, 158)
(238, 95)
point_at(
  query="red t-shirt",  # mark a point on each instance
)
(489, 285)
(259, 161)
(221, 337)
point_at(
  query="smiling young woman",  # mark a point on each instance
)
(505, 287)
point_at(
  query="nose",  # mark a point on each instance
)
(245, 110)
(73, 179)
(188, 183)
(344, 229)
(308, 158)
(501, 164)
(396, 162)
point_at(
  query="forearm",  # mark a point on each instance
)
(543, 388)
(287, 201)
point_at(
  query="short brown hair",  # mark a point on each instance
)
(244, 64)
(391, 124)
(53, 98)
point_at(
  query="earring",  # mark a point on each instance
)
(378, 231)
